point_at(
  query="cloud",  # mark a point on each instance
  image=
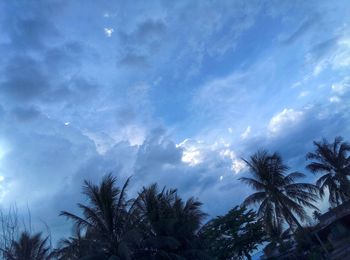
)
(334, 99)
(76, 106)
(246, 133)
(108, 31)
(25, 114)
(342, 87)
(146, 31)
(288, 117)
(333, 53)
(298, 128)
(135, 60)
(24, 79)
(302, 30)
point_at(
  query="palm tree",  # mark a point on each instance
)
(170, 225)
(76, 246)
(110, 218)
(279, 196)
(28, 247)
(333, 161)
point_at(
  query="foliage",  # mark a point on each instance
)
(159, 224)
(278, 194)
(76, 246)
(28, 247)
(155, 225)
(332, 160)
(169, 225)
(110, 218)
(278, 239)
(235, 235)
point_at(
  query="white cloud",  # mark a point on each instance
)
(286, 118)
(246, 133)
(336, 57)
(220, 152)
(334, 99)
(341, 57)
(191, 152)
(108, 31)
(341, 87)
(237, 164)
(303, 94)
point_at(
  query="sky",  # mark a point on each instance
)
(173, 92)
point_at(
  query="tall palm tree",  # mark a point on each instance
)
(110, 218)
(332, 160)
(28, 247)
(279, 196)
(170, 225)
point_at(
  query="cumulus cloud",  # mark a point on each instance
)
(288, 117)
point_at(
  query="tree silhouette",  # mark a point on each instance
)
(28, 247)
(332, 160)
(169, 225)
(278, 194)
(235, 235)
(110, 218)
(76, 246)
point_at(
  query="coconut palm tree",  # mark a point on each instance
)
(110, 218)
(279, 196)
(170, 225)
(28, 247)
(332, 160)
(76, 246)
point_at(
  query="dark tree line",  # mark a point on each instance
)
(159, 224)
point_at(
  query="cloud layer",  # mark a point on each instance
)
(169, 92)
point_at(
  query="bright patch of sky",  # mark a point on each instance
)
(174, 92)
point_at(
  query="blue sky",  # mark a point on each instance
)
(174, 92)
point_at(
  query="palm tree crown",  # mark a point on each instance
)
(333, 161)
(278, 194)
(109, 217)
(28, 247)
(170, 224)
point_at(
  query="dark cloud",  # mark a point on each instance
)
(24, 79)
(146, 31)
(31, 33)
(142, 43)
(74, 91)
(28, 24)
(25, 113)
(157, 151)
(134, 60)
(65, 57)
(149, 29)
